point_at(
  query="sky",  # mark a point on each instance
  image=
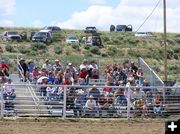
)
(77, 14)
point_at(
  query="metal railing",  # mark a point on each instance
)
(149, 73)
(67, 105)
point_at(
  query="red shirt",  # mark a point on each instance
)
(83, 74)
(4, 67)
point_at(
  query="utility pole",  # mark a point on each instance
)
(165, 41)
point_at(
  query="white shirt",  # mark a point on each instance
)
(90, 104)
(47, 66)
(138, 95)
(8, 88)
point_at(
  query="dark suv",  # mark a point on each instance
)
(42, 37)
(90, 30)
(124, 28)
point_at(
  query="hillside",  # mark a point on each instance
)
(117, 47)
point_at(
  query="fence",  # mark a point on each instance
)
(91, 101)
(149, 73)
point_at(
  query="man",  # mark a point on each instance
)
(91, 106)
(57, 66)
(47, 65)
(9, 91)
(4, 67)
(22, 68)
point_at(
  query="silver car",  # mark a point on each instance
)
(11, 35)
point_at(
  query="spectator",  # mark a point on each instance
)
(120, 98)
(57, 66)
(22, 68)
(157, 104)
(134, 67)
(47, 65)
(51, 77)
(78, 105)
(95, 70)
(137, 94)
(84, 65)
(4, 68)
(83, 73)
(30, 66)
(68, 77)
(102, 104)
(107, 90)
(145, 86)
(35, 74)
(91, 106)
(94, 92)
(73, 71)
(43, 87)
(59, 77)
(148, 102)
(109, 104)
(139, 76)
(9, 90)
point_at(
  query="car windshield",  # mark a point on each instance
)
(72, 37)
(93, 28)
(47, 28)
(121, 26)
(12, 33)
(40, 34)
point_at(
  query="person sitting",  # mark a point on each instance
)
(101, 104)
(8, 90)
(35, 74)
(51, 77)
(78, 106)
(4, 68)
(148, 105)
(43, 87)
(157, 104)
(83, 74)
(137, 94)
(120, 99)
(90, 106)
(94, 92)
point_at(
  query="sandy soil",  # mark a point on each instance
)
(83, 126)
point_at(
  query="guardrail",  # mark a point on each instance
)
(117, 102)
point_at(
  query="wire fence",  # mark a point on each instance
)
(90, 101)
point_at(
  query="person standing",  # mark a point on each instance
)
(22, 68)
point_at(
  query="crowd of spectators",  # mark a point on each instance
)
(93, 99)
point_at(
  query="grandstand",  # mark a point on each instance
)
(113, 88)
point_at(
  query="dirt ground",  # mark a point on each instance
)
(81, 126)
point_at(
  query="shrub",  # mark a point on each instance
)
(76, 47)
(112, 51)
(105, 38)
(57, 36)
(95, 50)
(57, 49)
(38, 46)
(87, 47)
(23, 50)
(104, 55)
(176, 49)
(178, 40)
(9, 48)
